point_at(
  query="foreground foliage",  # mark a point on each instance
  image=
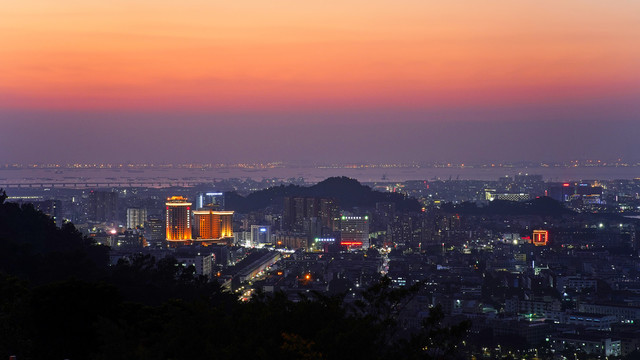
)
(60, 300)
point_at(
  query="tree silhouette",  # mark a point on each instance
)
(59, 298)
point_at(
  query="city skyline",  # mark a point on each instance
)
(333, 180)
(376, 81)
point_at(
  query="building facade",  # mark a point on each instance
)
(260, 235)
(212, 225)
(354, 231)
(178, 219)
(136, 218)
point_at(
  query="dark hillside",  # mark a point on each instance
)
(348, 192)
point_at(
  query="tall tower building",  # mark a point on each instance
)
(329, 213)
(300, 208)
(288, 214)
(178, 219)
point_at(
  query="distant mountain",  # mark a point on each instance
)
(349, 193)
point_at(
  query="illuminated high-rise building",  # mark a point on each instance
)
(354, 231)
(212, 225)
(178, 219)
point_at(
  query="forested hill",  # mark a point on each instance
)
(349, 193)
(32, 247)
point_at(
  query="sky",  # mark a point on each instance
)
(289, 80)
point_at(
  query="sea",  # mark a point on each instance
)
(310, 174)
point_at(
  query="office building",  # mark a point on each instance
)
(354, 231)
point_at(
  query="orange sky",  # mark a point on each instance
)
(257, 55)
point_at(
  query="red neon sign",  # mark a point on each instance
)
(540, 237)
(351, 243)
(565, 185)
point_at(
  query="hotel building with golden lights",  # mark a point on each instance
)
(212, 225)
(178, 219)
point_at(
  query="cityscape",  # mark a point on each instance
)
(327, 180)
(535, 268)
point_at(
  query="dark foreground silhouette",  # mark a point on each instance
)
(59, 299)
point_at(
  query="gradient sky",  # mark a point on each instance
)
(376, 80)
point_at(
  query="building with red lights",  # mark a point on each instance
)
(540, 237)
